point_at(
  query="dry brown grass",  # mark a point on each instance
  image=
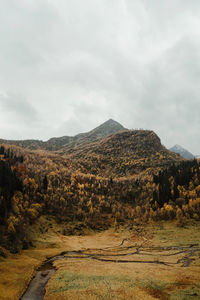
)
(93, 279)
(17, 270)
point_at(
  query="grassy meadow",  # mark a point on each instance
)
(158, 261)
(156, 275)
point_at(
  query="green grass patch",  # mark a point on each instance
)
(70, 281)
(66, 281)
(153, 284)
(154, 288)
(172, 235)
(186, 294)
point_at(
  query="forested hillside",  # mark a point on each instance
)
(123, 154)
(177, 191)
(126, 178)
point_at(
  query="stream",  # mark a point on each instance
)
(37, 286)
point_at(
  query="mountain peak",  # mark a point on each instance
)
(108, 127)
(182, 151)
(178, 147)
(111, 123)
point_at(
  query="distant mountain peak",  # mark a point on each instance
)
(178, 147)
(182, 151)
(108, 127)
(111, 122)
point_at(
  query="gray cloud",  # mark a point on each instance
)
(17, 106)
(16, 114)
(67, 66)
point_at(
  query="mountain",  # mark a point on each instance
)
(26, 144)
(93, 179)
(105, 129)
(125, 153)
(183, 152)
(109, 150)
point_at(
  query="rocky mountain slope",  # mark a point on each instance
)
(183, 152)
(105, 129)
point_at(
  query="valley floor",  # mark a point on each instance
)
(160, 261)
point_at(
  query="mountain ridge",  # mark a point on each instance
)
(124, 153)
(108, 150)
(108, 127)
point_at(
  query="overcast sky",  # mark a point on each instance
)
(68, 65)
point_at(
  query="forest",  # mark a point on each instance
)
(34, 184)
